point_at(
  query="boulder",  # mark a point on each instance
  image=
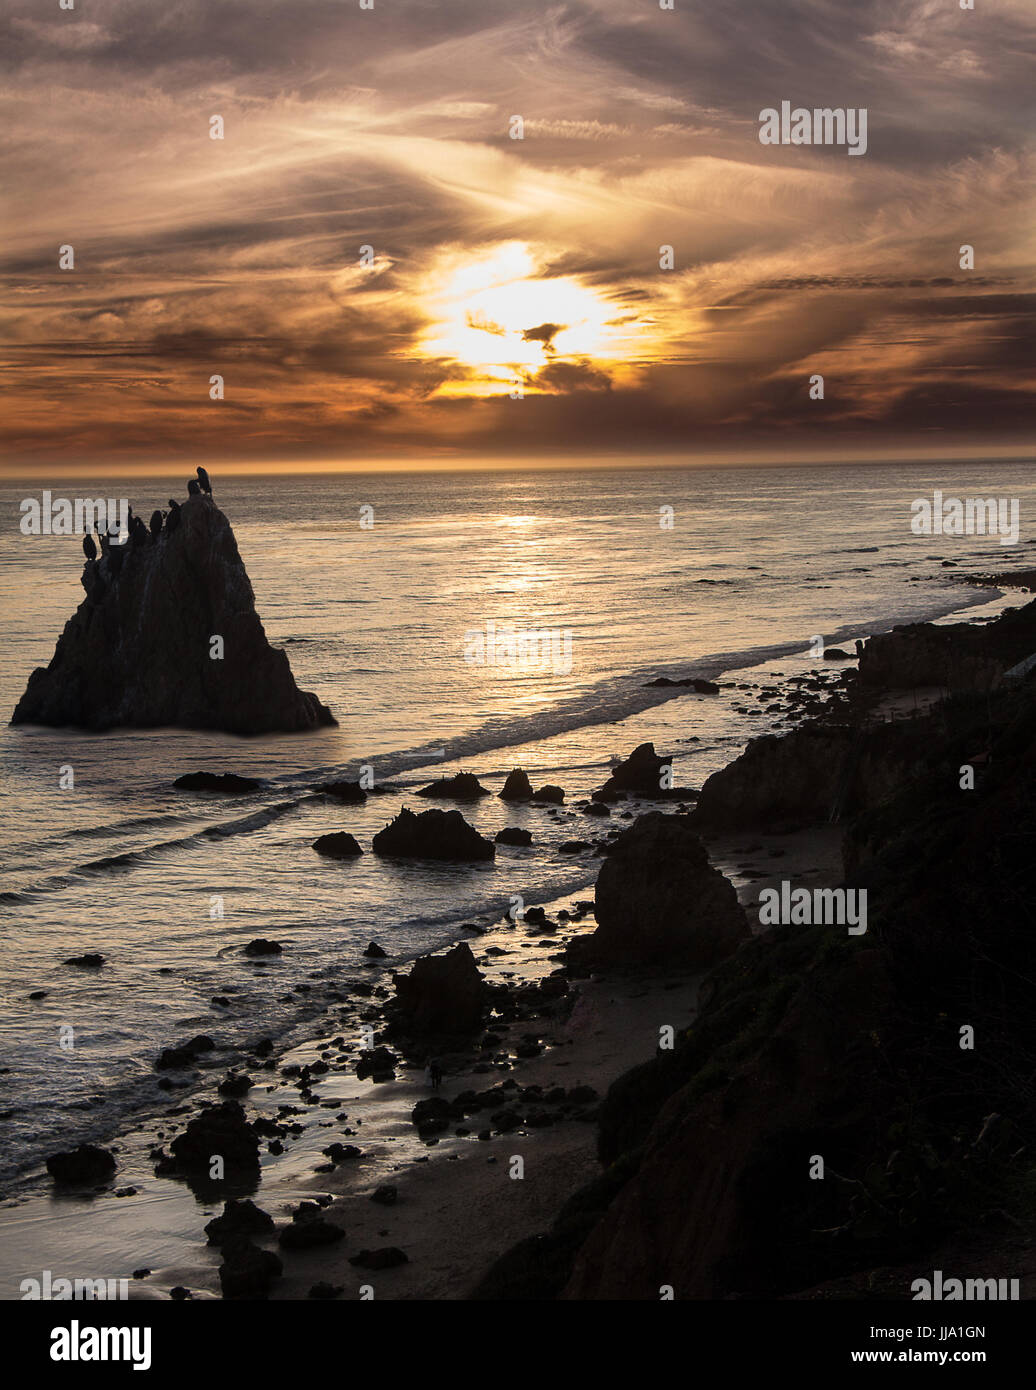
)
(386, 1258)
(432, 835)
(235, 1083)
(229, 783)
(513, 835)
(338, 845)
(93, 960)
(660, 901)
(641, 772)
(464, 787)
(239, 1218)
(218, 1129)
(517, 787)
(83, 1167)
(350, 792)
(442, 994)
(263, 947)
(695, 683)
(136, 653)
(551, 794)
(375, 952)
(185, 1055)
(247, 1271)
(378, 1063)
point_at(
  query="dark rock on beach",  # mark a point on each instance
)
(185, 1055)
(464, 787)
(83, 1167)
(659, 900)
(338, 845)
(227, 782)
(235, 1084)
(441, 995)
(349, 792)
(644, 771)
(550, 794)
(136, 653)
(432, 835)
(261, 946)
(373, 950)
(388, 1257)
(239, 1219)
(93, 960)
(513, 835)
(248, 1271)
(379, 1063)
(517, 787)
(695, 683)
(218, 1130)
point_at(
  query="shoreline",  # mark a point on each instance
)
(437, 1192)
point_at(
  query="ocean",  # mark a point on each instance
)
(631, 573)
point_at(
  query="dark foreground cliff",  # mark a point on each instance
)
(814, 1045)
(141, 649)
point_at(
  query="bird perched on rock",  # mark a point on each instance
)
(155, 524)
(172, 521)
(193, 489)
(89, 548)
(203, 481)
(138, 532)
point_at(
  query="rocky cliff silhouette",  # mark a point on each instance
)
(138, 651)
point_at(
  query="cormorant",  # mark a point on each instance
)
(172, 521)
(89, 548)
(138, 532)
(203, 480)
(156, 523)
(193, 489)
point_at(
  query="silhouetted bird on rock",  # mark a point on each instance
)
(203, 481)
(193, 489)
(155, 524)
(89, 548)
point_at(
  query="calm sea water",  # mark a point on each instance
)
(376, 621)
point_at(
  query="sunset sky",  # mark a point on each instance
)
(499, 262)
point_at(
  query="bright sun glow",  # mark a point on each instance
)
(482, 312)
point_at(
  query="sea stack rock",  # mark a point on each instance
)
(139, 650)
(660, 901)
(517, 787)
(432, 835)
(643, 771)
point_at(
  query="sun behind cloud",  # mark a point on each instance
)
(495, 316)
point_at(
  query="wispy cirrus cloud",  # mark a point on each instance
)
(391, 129)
